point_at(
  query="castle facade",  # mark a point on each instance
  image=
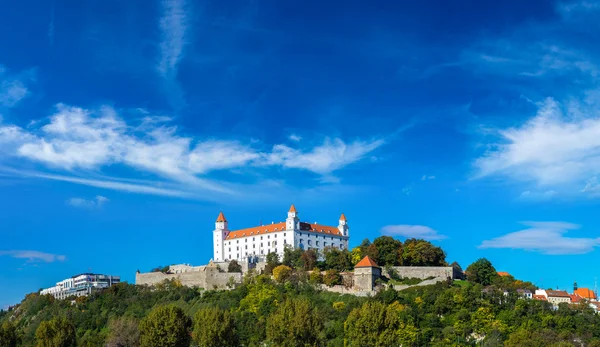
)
(256, 242)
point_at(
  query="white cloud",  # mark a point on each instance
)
(11, 92)
(33, 256)
(426, 177)
(546, 238)
(173, 25)
(295, 138)
(560, 146)
(412, 231)
(324, 159)
(98, 201)
(82, 142)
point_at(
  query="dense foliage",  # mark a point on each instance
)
(294, 311)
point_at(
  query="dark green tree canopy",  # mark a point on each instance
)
(165, 326)
(481, 271)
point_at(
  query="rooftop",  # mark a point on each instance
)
(366, 262)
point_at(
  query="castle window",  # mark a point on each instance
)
(261, 237)
(268, 236)
(261, 251)
(324, 244)
(317, 243)
(253, 246)
(246, 247)
(309, 242)
(229, 249)
(268, 243)
(284, 242)
(237, 248)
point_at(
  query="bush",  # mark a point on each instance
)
(124, 331)
(57, 332)
(316, 276)
(282, 273)
(332, 278)
(234, 266)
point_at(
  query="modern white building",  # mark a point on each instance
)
(257, 242)
(80, 285)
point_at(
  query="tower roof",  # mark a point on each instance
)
(221, 217)
(293, 209)
(366, 262)
(343, 217)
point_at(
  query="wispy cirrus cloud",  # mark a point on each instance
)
(412, 231)
(558, 148)
(173, 25)
(96, 202)
(79, 142)
(33, 256)
(12, 88)
(546, 238)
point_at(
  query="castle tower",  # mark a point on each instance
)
(219, 234)
(292, 222)
(343, 225)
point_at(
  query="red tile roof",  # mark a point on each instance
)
(342, 217)
(585, 293)
(558, 293)
(539, 297)
(503, 274)
(574, 298)
(221, 217)
(270, 228)
(366, 262)
(292, 208)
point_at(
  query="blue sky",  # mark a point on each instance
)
(127, 126)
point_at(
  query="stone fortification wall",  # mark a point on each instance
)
(207, 277)
(423, 272)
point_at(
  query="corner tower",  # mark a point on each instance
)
(219, 234)
(343, 225)
(292, 222)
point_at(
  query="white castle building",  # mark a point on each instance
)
(264, 239)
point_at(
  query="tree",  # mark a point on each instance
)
(377, 325)
(57, 332)
(273, 259)
(123, 332)
(214, 327)
(291, 256)
(308, 259)
(356, 255)
(294, 324)
(8, 335)
(165, 326)
(234, 266)
(482, 272)
(315, 276)
(389, 249)
(337, 259)
(422, 253)
(282, 273)
(332, 278)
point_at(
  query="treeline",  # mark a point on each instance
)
(289, 309)
(262, 312)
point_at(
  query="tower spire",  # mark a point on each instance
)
(293, 209)
(221, 217)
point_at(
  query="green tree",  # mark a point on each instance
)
(282, 273)
(294, 324)
(308, 259)
(418, 252)
(315, 276)
(389, 249)
(165, 326)
(273, 260)
(481, 271)
(356, 255)
(234, 266)
(337, 259)
(332, 278)
(57, 332)
(8, 335)
(123, 332)
(377, 325)
(214, 327)
(291, 256)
